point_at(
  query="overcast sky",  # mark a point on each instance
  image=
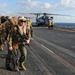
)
(64, 7)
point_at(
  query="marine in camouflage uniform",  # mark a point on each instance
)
(29, 28)
(7, 25)
(1, 37)
(17, 41)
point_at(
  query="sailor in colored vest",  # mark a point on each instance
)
(51, 25)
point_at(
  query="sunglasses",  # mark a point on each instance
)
(22, 21)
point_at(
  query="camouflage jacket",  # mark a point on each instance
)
(15, 36)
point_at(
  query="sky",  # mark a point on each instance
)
(63, 7)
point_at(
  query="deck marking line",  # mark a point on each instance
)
(47, 48)
(59, 56)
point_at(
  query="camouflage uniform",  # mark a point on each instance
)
(29, 29)
(1, 37)
(8, 25)
(17, 41)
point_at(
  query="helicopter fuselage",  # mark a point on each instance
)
(43, 20)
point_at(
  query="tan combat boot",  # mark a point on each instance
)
(22, 66)
(17, 69)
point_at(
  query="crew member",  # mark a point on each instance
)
(29, 28)
(1, 36)
(51, 25)
(17, 41)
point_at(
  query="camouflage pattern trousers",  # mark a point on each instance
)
(23, 52)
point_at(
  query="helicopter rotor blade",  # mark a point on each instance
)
(52, 14)
(47, 14)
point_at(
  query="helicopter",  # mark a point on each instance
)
(44, 19)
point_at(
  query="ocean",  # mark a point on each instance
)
(68, 25)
